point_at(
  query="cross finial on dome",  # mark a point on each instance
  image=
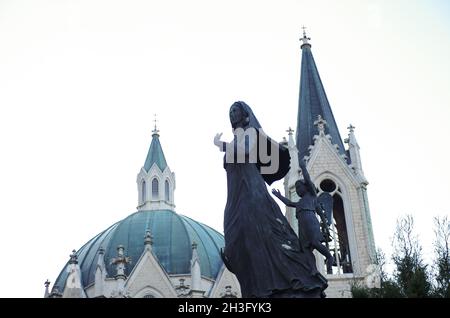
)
(155, 131)
(290, 131)
(351, 128)
(194, 245)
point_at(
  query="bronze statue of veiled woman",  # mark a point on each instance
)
(261, 248)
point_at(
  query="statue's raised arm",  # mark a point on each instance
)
(308, 182)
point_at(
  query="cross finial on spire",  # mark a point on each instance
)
(47, 283)
(194, 245)
(351, 128)
(320, 123)
(290, 131)
(305, 39)
(155, 130)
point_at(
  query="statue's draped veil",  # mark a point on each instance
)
(283, 153)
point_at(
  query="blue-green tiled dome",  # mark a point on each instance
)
(173, 235)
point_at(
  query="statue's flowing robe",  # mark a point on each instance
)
(261, 248)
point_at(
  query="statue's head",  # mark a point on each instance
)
(239, 117)
(300, 187)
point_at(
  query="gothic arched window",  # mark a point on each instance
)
(143, 191)
(341, 237)
(155, 188)
(167, 191)
(331, 198)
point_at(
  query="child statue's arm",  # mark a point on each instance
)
(286, 201)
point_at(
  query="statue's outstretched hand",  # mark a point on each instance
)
(276, 192)
(217, 140)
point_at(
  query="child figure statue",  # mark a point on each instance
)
(310, 235)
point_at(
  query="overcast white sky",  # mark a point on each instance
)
(81, 80)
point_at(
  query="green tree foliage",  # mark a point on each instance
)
(442, 257)
(389, 288)
(411, 273)
(412, 277)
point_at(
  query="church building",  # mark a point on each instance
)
(157, 252)
(154, 252)
(338, 175)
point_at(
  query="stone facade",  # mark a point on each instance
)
(149, 280)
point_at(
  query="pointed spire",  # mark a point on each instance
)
(101, 258)
(313, 102)
(353, 150)
(155, 181)
(47, 292)
(155, 153)
(100, 274)
(293, 177)
(74, 286)
(196, 277)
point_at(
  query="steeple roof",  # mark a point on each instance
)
(313, 102)
(155, 153)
